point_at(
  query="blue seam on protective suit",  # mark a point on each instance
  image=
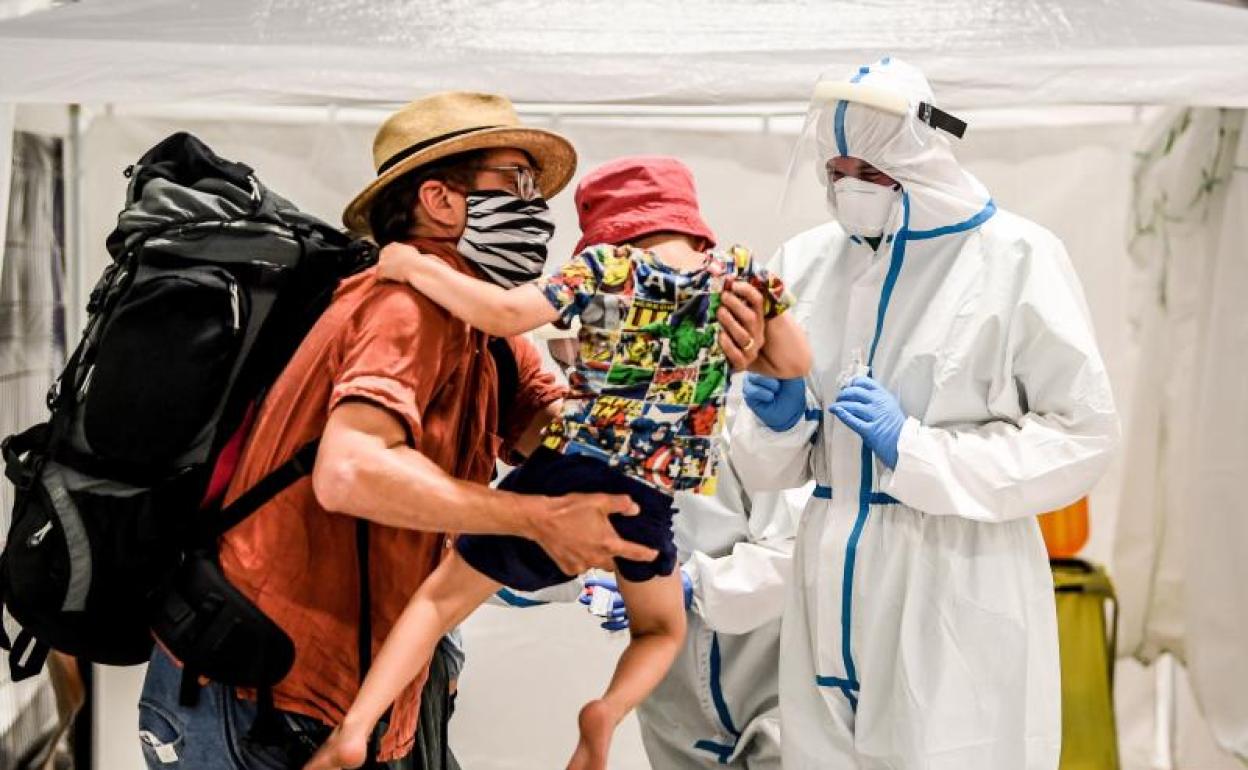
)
(847, 580)
(837, 682)
(894, 269)
(865, 494)
(812, 415)
(983, 216)
(517, 601)
(841, 145)
(848, 689)
(717, 693)
(824, 492)
(722, 752)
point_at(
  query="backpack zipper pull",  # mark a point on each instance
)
(35, 539)
(234, 306)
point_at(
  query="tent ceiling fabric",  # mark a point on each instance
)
(977, 52)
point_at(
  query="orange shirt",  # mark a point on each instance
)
(386, 344)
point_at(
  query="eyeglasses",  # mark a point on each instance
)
(524, 182)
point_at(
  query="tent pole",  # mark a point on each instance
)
(74, 262)
(8, 115)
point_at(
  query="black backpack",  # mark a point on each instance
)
(214, 283)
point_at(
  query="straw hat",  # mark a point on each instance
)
(449, 123)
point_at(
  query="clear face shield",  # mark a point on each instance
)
(839, 166)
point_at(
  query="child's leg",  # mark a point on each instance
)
(656, 622)
(448, 596)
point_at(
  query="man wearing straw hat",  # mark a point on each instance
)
(404, 399)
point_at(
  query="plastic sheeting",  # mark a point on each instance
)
(1184, 519)
(8, 113)
(32, 351)
(975, 52)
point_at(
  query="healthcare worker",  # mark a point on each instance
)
(718, 705)
(957, 393)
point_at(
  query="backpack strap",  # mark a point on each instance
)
(508, 379)
(266, 489)
(188, 688)
(27, 656)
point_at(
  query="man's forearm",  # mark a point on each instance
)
(400, 487)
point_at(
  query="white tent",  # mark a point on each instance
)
(294, 87)
(1008, 52)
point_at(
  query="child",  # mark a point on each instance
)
(643, 420)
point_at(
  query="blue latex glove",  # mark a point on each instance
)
(618, 619)
(873, 413)
(778, 403)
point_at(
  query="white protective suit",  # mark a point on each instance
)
(920, 630)
(718, 705)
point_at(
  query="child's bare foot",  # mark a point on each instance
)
(343, 749)
(597, 723)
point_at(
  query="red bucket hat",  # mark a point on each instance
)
(634, 196)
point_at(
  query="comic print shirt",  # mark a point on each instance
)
(650, 375)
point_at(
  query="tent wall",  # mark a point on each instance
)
(31, 353)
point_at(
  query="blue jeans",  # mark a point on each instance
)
(213, 734)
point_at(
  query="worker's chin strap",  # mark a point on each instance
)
(938, 118)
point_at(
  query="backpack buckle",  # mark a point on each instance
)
(21, 472)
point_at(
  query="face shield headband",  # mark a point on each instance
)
(889, 101)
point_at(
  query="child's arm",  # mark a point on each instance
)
(785, 353)
(494, 310)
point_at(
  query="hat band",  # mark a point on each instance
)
(402, 155)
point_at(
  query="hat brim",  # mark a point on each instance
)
(554, 156)
(641, 221)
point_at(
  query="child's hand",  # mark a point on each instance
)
(397, 261)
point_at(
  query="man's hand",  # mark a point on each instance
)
(742, 325)
(575, 531)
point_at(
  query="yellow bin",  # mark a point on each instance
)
(1087, 620)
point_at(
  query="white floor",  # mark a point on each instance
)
(496, 726)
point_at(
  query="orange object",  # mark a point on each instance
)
(1066, 530)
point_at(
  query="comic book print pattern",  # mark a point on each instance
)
(650, 376)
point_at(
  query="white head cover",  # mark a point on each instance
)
(874, 116)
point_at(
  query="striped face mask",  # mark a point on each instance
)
(506, 236)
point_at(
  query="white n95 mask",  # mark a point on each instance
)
(863, 208)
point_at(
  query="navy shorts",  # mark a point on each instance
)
(520, 563)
